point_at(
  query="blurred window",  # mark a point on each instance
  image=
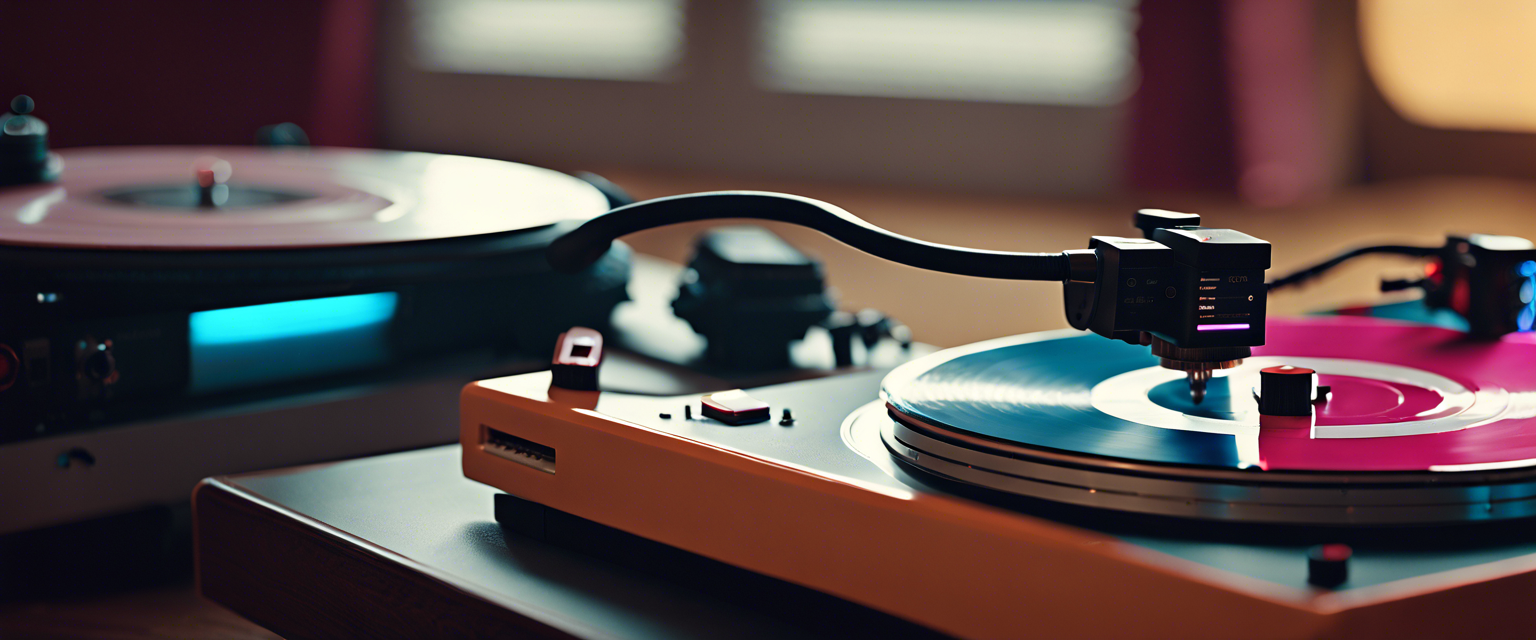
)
(600, 39)
(1027, 51)
(1013, 95)
(1453, 63)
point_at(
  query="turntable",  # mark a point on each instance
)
(173, 312)
(1185, 467)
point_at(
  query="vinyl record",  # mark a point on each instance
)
(147, 198)
(1405, 398)
(1424, 425)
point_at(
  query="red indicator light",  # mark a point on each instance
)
(10, 367)
(1335, 552)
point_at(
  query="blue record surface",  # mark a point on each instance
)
(1035, 391)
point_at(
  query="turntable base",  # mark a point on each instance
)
(783, 502)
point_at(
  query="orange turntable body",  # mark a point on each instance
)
(781, 501)
(1206, 471)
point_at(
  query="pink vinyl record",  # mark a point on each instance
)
(1476, 410)
(145, 198)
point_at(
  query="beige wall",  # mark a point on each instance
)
(713, 118)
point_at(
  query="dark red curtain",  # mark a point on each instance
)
(1230, 99)
(1182, 135)
(192, 72)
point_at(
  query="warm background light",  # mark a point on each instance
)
(1457, 64)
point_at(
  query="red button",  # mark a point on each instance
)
(734, 407)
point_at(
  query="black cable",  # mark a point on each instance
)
(616, 195)
(585, 244)
(1318, 269)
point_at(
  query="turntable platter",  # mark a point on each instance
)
(145, 198)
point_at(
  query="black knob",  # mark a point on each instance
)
(22, 105)
(1149, 220)
(24, 155)
(1286, 391)
(873, 326)
(1328, 565)
(844, 327)
(751, 295)
(75, 457)
(285, 134)
(101, 366)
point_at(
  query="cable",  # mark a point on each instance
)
(588, 242)
(616, 195)
(1318, 269)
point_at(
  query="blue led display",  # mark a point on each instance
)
(291, 319)
(251, 346)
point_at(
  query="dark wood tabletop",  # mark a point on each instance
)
(404, 546)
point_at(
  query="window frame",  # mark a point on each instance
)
(714, 114)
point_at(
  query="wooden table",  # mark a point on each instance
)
(172, 611)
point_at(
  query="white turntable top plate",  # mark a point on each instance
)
(339, 197)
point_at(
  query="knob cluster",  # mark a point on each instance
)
(24, 155)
